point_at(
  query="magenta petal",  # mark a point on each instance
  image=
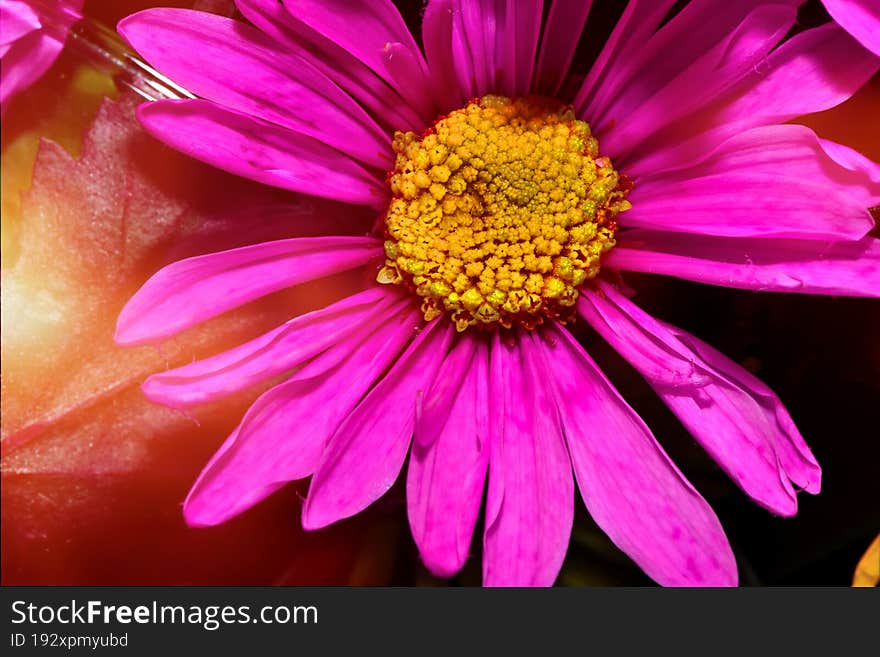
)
(235, 65)
(630, 486)
(861, 18)
(774, 181)
(748, 204)
(272, 353)
(490, 46)
(365, 455)
(530, 503)
(437, 37)
(16, 20)
(450, 454)
(24, 62)
(639, 21)
(284, 433)
(649, 60)
(473, 46)
(782, 152)
(866, 172)
(813, 71)
(517, 32)
(673, 83)
(565, 23)
(774, 265)
(261, 151)
(355, 78)
(364, 28)
(740, 422)
(27, 48)
(190, 291)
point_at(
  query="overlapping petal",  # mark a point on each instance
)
(255, 149)
(352, 75)
(256, 78)
(493, 44)
(781, 152)
(280, 349)
(772, 181)
(559, 41)
(739, 204)
(861, 18)
(284, 433)
(530, 499)
(190, 291)
(667, 87)
(365, 455)
(630, 486)
(373, 32)
(738, 420)
(767, 265)
(639, 21)
(28, 47)
(449, 457)
(813, 71)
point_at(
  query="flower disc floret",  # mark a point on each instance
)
(499, 212)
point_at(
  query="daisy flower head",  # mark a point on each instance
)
(509, 194)
(32, 34)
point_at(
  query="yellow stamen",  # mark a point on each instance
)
(500, 211)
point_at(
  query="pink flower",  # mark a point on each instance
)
(498, 216)
(32, 35)
(861, 18)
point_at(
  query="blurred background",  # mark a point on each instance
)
(93, 475)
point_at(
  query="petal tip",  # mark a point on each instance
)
(196, 513)
(441, 567)
(156, 391)
(314, 518)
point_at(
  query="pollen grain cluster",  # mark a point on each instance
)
(499, 212)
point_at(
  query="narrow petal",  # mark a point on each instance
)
(740, 422)
(17, 19)
(867, 172)
(27, 47)
(669, 87)
(753, 204)
(639, 21)
(365, 455)
(767, 265)
(494, 43)
(24, 62)
(278, 350)
(364, 28)
(861, 18)
(473, 46)
(284, 433)
(530, 502)
(450, 455)
(783, 151)
(813, 71)
(516, 44)
(352, 75)
(629, 485)
(260, 151)
(235, 65)
(437, 37)
(565, 23)
(190, 291)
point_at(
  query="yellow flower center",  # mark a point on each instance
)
(499, 212)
